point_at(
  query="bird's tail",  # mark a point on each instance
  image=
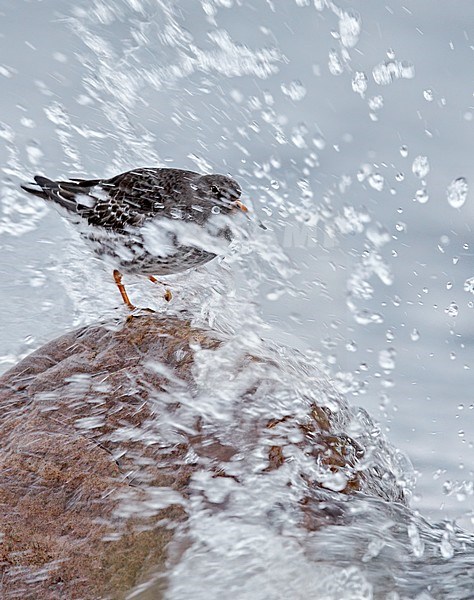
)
(41, 188)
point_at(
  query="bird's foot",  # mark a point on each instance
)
(168, 295)
(123, 292)
(137, 312)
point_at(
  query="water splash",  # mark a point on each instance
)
(388, 71)
(294, 90)
(335, 64)
(349, 28)
(359, 83)
(124, 101)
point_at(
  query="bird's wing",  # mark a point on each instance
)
(124, 201)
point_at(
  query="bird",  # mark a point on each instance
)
(132, 219)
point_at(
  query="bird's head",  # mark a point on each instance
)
(222, 192)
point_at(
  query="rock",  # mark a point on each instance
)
(103, 430)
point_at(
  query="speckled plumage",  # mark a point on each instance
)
(113, 214)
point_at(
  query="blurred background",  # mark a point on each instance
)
(349, 126)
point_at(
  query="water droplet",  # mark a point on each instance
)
(6, 71)
(34, 153)
(446, 548)
(359, 83)
(60, 57)
(449, 285)
(387, 359)
(404, 151)
(376, 181)
(469, 285)
(37, 281)
(334, 63)
(351, 346)
(386, 72)
(26, 122)
(275, 184)
(455, 260)
(428, 95)
(294, 90)
(457, 192)
(364, 172)
(298, 140)
(275, 294)
(280, 137)
(319, 142)
(275, 162)
(400, 176)
(421, 166)
(415, 335)
(349, 29)
(365, 317)
(452, 310)
(417, 544)
(422, 196)
(400, 226)
(375, 103)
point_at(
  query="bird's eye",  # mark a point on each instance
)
(214, 189)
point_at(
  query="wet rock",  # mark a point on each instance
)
(103, 429)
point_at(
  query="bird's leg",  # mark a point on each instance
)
(121, 287)
(168, 294)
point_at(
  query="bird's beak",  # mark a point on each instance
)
(241, 206)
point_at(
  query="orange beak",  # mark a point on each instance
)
(241, 205)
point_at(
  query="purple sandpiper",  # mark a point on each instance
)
(119, 215)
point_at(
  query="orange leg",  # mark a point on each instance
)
(168, 294)
(121, 287)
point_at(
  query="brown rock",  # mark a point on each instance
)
(60, 478)
(82, 455)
